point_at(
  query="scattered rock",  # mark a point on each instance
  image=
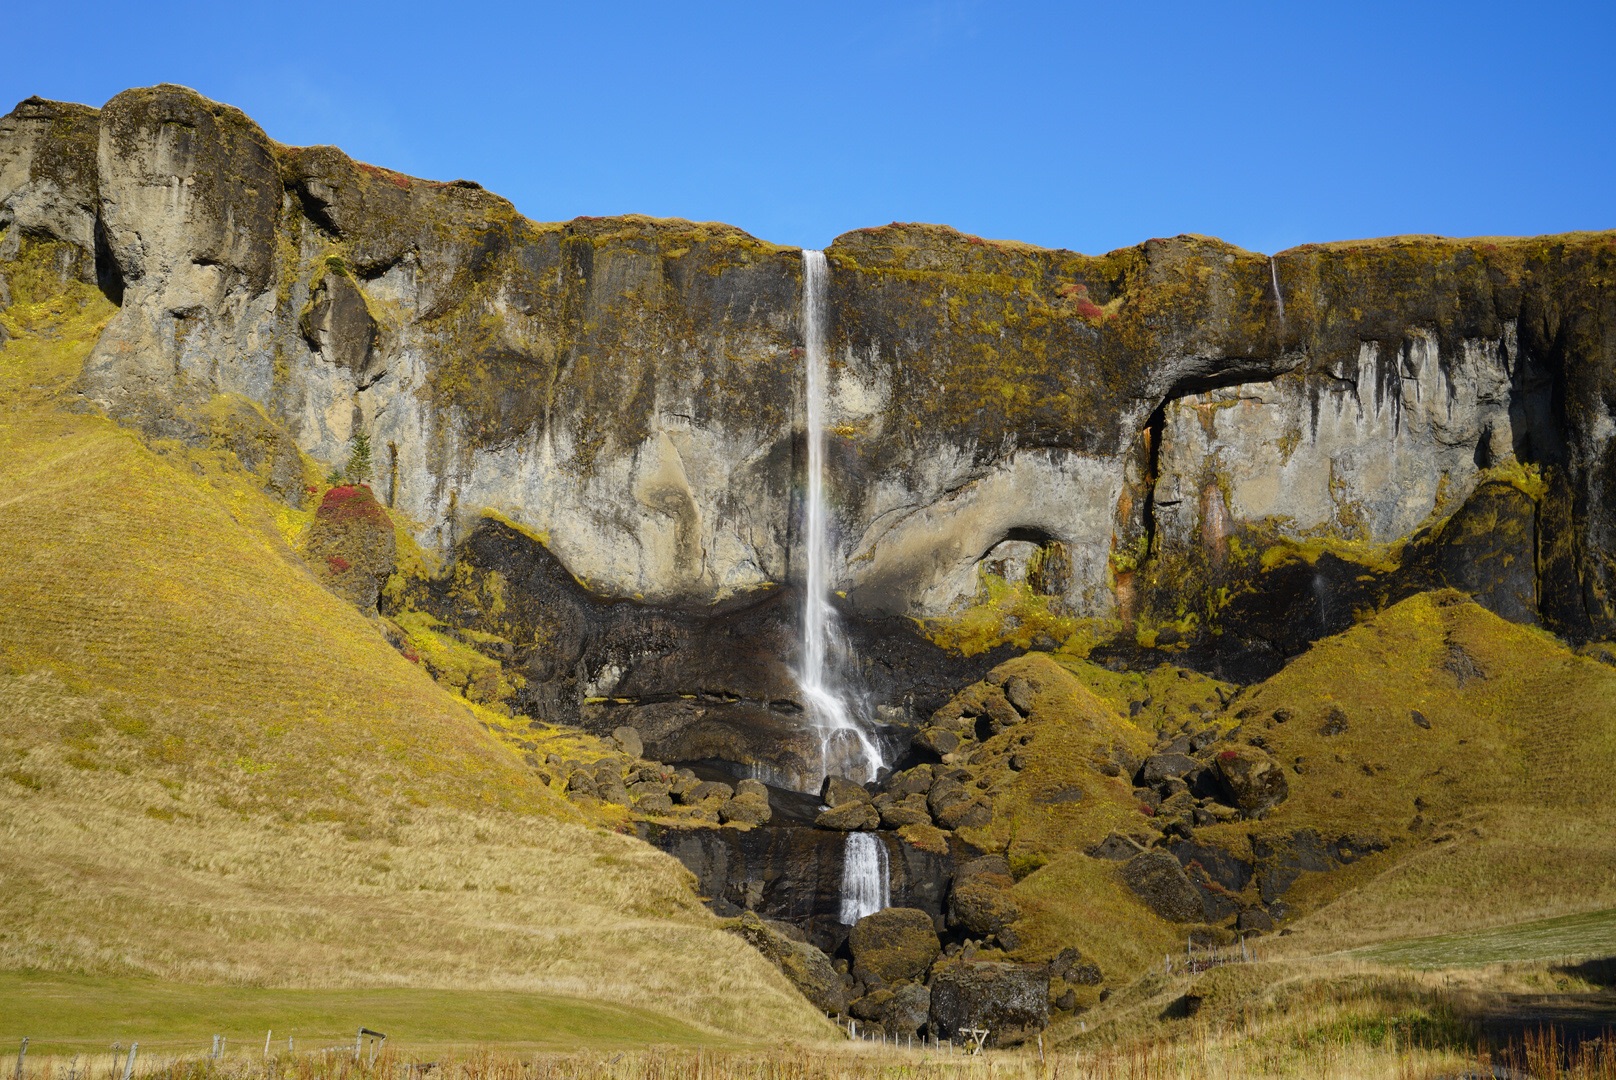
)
(849, 817)
(1255, 920)
(1019, 692)
(915, 781)
(906, 1011)
(1335, 722)
(745, 809)
(653, 804)
(752, 787)
(893, 945)
(839, 792)
(1116, 847)
(706, 789)
(628, 740)
(909, 810)
(1159, 767)
(937, 740)
(1070, 966)
(1419, 719)
(966, 814)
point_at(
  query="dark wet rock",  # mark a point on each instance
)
(794, 874)
(892, 946)
(937, 741)
(1010, 1000)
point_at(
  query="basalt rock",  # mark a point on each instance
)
(809, 969)
(894, 945)
(1010, 1000)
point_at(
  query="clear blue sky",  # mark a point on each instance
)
(1087, 126)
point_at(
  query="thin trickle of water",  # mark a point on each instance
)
(845, 748)
(1279, 298)
(864, 877)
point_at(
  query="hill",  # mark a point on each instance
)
(213, 770)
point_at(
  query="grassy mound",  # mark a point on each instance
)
(212, 770)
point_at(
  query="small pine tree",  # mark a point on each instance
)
(358, 468)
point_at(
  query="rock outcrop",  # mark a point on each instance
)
(1214, 453)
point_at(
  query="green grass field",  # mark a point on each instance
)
(1568, 937)
(74, 1014)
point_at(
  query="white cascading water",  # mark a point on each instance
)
(845, 748)
(864, 877)
(1279, 298)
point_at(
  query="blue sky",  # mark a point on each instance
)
(1072, 125)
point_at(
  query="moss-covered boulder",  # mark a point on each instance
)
(351, 544)
(809, 970)
(894, 945)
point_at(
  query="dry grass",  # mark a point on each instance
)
(1206, 1055)
(212, 769)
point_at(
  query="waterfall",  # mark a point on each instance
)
(864, 877)
(845, 748)
(1279, 299)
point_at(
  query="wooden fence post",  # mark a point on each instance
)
(129, 1066)
(20, 1055)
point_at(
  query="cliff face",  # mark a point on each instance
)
(1196, 445)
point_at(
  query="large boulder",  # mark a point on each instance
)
(893, 945)
(849, 817)
(351, 545)
(809, 969)
(1010, 1000)
(1158, 879)
(906, 1011)
(980, 900)
(1255, 781)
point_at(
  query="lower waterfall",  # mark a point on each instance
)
(865, 882)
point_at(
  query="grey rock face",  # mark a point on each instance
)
(1113, 434)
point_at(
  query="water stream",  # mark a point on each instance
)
(1279, 298)
(845, 748)
(864, 877)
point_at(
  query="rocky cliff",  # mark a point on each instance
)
(1180, 445)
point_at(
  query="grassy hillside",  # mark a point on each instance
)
(212, 770)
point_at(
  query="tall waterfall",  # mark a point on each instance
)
(864, 877)
(845, 748)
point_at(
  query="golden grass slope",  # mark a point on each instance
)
(211, 769)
